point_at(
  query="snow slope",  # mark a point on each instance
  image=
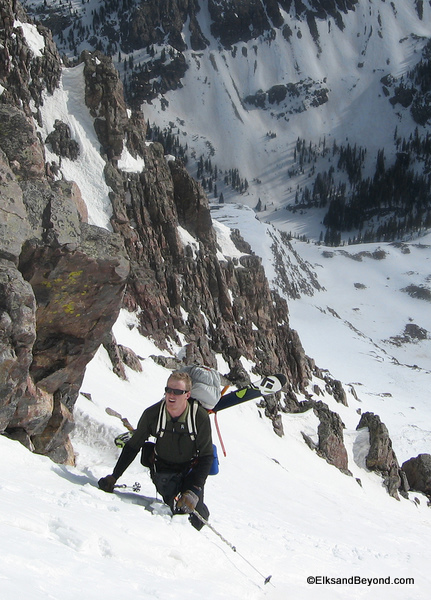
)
(288, 513)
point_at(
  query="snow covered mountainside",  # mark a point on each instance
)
(211, 114)
(269, 103)
(367, 323)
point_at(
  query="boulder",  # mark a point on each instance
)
(61, 141)
(331, 438)
(381, 457)
(418, 472)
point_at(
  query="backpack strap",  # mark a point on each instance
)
(191, 420)
(161, 421)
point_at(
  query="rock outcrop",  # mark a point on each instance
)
(381, 456)
(330, 445)
(418, 473)
(331, 438)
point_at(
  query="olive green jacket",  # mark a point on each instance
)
(175, 450)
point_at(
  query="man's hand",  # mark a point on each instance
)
(186, 502)
(107, 483)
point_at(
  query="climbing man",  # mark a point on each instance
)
(181, 458)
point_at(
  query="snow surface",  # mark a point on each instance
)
(287, 512)
(67, 104)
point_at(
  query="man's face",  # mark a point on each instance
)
(176, 404)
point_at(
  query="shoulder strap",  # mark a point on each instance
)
(191, 420)
(161, 421)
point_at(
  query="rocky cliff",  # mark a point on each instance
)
(63, 280)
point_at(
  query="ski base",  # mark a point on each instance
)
(270, 384)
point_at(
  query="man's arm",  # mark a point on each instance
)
(128, 454)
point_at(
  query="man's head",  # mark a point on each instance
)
(177, 393)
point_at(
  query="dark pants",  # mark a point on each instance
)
(170, 484)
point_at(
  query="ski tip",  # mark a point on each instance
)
(282, 378)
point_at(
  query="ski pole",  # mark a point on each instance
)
(231, 546)
(136, 487)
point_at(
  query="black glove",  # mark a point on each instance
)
(186, 502)
(107, 483)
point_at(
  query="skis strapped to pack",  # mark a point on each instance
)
(122, 439)
(270, 384)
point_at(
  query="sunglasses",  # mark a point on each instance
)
(175, 392)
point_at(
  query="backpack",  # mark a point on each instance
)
(206, 385)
